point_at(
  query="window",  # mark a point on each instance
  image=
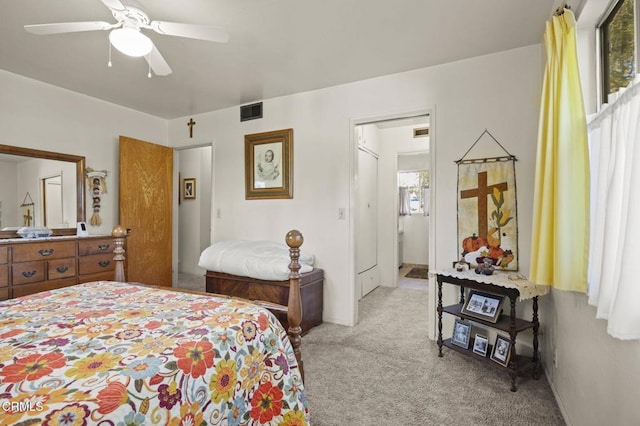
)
(619, 58)
(415, 182)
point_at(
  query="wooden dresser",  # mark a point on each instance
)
(31, 266)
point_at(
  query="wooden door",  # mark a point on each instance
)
(146, 199)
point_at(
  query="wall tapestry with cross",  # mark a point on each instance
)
(487, 211)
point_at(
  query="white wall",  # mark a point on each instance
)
(194, 216)
(37, 115)
(499, 92)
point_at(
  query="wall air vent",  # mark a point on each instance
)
(421, 132)
(251, 112)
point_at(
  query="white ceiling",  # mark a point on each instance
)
(276, 47)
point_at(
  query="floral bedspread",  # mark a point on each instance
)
(113, 353)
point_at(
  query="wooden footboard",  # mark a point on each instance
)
(294, 305)
(311, 293)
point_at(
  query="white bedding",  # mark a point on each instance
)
(263, 260)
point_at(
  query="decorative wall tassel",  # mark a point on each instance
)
(96, 180)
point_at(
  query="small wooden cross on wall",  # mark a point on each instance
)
(191, 123)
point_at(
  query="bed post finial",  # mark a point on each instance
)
(119, 233)
(294, 240)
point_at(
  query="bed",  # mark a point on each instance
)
(113, 352)
(259, 270)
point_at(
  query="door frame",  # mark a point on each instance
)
(353, 188)
(176, 216)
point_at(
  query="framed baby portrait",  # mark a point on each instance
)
(268, 165)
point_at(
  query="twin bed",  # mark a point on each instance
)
(113, 352)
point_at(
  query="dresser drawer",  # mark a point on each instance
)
(61, 268)
(43, 251)
(89, 247)
(96, 263)
(24, 290)
(28, 272)
(4, 275)
(4, 258)
(4, 293)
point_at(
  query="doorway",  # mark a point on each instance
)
(52, 201)
(386, 139)
(194, 199)
(413, 220)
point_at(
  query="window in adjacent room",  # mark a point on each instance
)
(415, 182)
(619, 51)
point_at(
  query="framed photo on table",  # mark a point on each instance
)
(480, 345)
(461, 334)
(484, 306)
(501, 351)
(268, 165)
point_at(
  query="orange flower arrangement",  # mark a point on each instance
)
(32, 367)
(194, 357)
(266, 403)
(110, 398)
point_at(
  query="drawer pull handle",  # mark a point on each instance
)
(104, 263)
(46, 252)
(28, 274)
(103, 247)
(62, 269)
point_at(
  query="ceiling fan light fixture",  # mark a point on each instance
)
(131, 42)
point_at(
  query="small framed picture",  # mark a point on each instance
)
(480, 345)
(461, 334)
(189, 189)
(484, 306)
(501, 350)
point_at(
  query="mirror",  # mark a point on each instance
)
(24, 177)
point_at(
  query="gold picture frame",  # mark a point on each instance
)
(189, 188)
(268, 165)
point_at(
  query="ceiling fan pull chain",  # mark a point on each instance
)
(149, 75)
(109, 64)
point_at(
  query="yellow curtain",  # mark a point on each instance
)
(560, 234)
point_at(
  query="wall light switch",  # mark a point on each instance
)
(342, 213)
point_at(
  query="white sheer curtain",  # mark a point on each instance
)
(614, 275)
(405, 202)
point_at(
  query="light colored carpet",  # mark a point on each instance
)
(385, 371)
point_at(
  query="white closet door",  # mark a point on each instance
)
(367, 224)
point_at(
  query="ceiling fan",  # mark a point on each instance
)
(126, 34)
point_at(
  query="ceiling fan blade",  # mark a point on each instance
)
(200, 32)
(157, 62)
(67, 27)
(114, 5)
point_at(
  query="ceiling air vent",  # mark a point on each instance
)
(251, 112)
(421, 132)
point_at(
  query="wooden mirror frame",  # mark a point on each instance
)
(80, 182)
